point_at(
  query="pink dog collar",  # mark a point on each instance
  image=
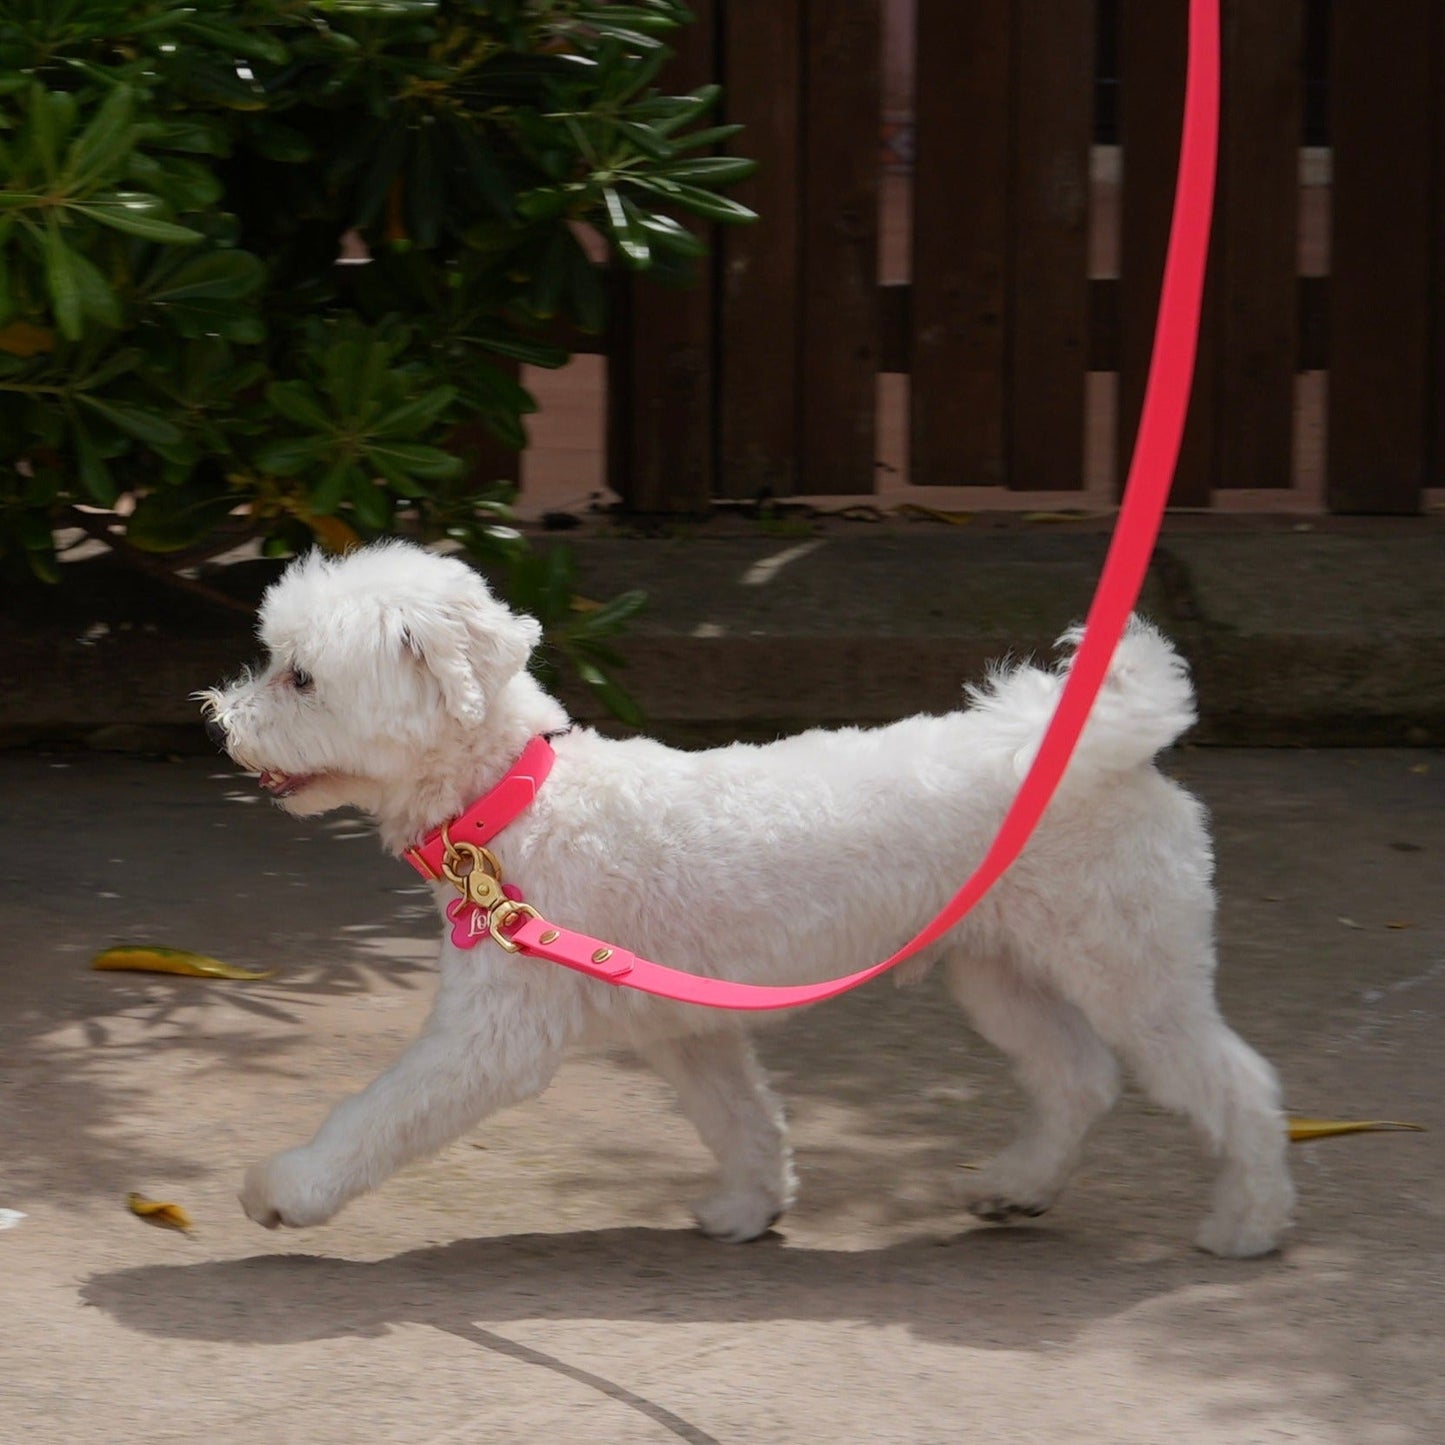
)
(489, 814)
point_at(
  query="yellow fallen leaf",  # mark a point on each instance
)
(164, 1216)
(1302, 1129)
(142, 958)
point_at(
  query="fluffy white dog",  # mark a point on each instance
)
(398, 685)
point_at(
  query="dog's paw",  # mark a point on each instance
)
(1240, 1234)
(287, 1190)
(997, 1209)
(737, 1215)
(1002, 1193)
(1252, 1209)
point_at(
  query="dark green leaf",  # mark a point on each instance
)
(665, 234)
(215, 275)
(614, 614)
(97, 300)
(101, 147)
(287, 455)
(371, 503)
(430, 464)
(328, 494)
(144, 426)
(137, 214)
(296, 401)
(626, 228)
(197, 134)
(171, 518)
(713, 170)
(713, 135)
(615, 698)
(529, 353)
(61, 282)
(692, 198)
(51, 116)
(550, 279)
(417, 415)
(94, 475)
(647, 140)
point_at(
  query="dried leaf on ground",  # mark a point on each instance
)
(159, 1213)
(146, 959)
(1302, 1129)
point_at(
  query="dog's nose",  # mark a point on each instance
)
(216, 732)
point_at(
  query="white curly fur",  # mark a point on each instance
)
(397, 684)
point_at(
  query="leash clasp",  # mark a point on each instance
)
(501, 914)
(473, 872)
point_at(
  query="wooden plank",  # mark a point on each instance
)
(1310, 292)
(1380, 262)
(1152, 51)
(660, 447)
(1052, 127)
(839, 237)
(759, 278)
(1435, 476)
(960, 243)
(1256, 243)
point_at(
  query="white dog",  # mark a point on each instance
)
(397, 684)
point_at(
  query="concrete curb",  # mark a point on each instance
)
(1323, 637)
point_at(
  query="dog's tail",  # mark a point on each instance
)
(1146, 702)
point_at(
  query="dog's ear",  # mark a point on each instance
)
(473, 645)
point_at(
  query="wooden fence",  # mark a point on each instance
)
(762, 381)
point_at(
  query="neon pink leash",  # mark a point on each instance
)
(1151, 474)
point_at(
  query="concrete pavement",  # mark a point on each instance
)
(538, 1281)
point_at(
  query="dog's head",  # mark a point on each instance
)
(379, 662)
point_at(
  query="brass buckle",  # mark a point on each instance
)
(473, 872)
(502, 913)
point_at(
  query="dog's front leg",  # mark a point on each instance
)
(484, 1049)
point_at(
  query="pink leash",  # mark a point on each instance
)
(486, 909)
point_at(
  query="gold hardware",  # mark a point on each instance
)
(420, 864)
(551, 936)
(502, 913)
(473, 872)
(602, 955)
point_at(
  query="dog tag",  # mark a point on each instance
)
(469, 928)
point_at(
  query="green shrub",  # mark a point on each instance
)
(182, 358)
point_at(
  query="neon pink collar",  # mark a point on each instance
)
(491, 813)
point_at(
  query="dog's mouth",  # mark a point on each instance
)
(285, 785)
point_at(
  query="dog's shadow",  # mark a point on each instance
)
(989, 1289)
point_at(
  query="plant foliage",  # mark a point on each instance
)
(181, 352)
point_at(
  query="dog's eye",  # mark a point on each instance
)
(300, 679)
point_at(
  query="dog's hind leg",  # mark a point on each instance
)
(1188, 1059)
(722, 1089)
(1066, 1070)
